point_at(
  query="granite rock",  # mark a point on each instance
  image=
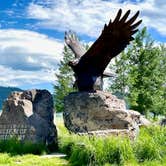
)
(28, 115)
(99, 112)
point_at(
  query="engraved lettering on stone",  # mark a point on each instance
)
(8, 131)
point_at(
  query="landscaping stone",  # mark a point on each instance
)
(144, 122)
(99, 113)
(29, 115)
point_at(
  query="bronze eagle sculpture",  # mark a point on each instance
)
(90, 65)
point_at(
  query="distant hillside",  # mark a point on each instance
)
(4, 93)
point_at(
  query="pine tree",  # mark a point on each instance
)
(118, 83)
(65, 80)
(141, 75)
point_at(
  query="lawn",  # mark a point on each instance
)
(30, 160)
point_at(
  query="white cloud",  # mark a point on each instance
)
(28, 57)
(88, 17)
(10, 77)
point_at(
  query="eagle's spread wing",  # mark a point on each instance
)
(113, 39)
(74, 44)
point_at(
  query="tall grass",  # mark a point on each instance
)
(151, 144)
(148, 148)
(83, 150)
(15, 147)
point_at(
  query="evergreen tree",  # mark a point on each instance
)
(141, 75)
(65, 80)
(119, 83)
(65, 77)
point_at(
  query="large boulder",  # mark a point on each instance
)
(99, 113)
(29, 115)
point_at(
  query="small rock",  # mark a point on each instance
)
(163, 122)
(144, 122)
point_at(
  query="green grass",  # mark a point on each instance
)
(26, 154)
(30, 160)
(151, 144)
(149, 149)
(15, 147)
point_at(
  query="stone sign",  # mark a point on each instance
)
(28, 116)
(8, 131)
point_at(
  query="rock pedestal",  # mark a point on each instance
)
(99, 113)
(28, 115)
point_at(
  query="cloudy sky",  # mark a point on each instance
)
(32, 31)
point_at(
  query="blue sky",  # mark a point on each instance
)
(32, 31)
